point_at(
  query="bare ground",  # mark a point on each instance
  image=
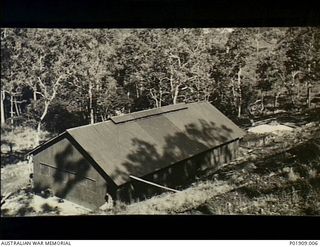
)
(26, 203)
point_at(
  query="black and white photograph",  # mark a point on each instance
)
(160, 121)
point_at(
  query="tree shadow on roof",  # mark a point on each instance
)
(194, 139)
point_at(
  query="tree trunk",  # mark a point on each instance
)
(274, 102)
(44, 113)
(19, 108)
(308, 88)
(3, 118)
(239, 110)
(198, 91)
(16, 106)
(176, 93)
(154, 97)
(233, 92)
(34, 94)
(160, 93)
(293, 83)
(137, 90)
(257, 46)
(11, 110)
(37, 141)
(48, 99)
(309, 96)
(262, 101)
(90, 104)
(171, 84)
(38, 131)
(240, 93)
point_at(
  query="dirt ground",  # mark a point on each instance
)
(25, 203)
(277, 129)
(15, 179)
(15, 183)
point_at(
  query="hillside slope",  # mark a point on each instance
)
(274, 175)
(279, 177)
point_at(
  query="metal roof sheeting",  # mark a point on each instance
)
(144, 142)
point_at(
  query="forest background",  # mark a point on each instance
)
(54, 79)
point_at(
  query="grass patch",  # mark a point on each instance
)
(15, 177)
(17, 142)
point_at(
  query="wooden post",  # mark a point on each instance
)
(153, 184)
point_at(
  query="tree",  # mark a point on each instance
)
(233, 61)
(90, 69)
(10, 85)
(98, 73)
(303, 57)
(167, 66)
(39, 65)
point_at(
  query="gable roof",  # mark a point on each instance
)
(144, 142)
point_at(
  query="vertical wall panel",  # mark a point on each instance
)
(62, 168)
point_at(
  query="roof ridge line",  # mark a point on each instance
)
(152, 112)
(145, 110)
(86, 125)
(128, 114)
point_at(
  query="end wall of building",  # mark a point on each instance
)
(63, 169)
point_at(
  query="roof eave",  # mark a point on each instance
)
(38, 148)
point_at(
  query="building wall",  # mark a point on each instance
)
(179, 174)
(63, 169)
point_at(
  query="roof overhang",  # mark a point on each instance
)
(44, 145)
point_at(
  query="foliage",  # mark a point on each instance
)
(67, 77)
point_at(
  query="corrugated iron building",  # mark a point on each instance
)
(167, 145)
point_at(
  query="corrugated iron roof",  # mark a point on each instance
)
(144, 142)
